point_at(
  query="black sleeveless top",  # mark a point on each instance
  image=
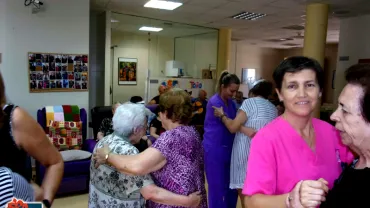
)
(11, 156)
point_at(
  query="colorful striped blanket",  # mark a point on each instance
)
(62, 113)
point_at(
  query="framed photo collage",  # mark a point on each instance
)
(54, 72)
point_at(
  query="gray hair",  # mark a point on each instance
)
(129, 117)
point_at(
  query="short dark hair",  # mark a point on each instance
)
(136, 99)
(227, 79)
(176, 103)
(295, 64)
(262, 88)
(359, 74)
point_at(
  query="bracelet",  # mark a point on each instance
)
(107, 156)
(46, 203)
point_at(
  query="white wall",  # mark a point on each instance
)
(151, 55)
(2, 30)
(197, 52)
(354, 43)
(63, 27)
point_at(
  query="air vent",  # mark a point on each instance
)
(274, 40)
(294, 27)
(290, 44)
(279, 40)
(248, 16)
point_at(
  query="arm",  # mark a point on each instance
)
(260, 183)
(250, 132)
(162, 196)
(266, 201)
(234, 125)
(141, 164)
(29, 135)
(153, 132)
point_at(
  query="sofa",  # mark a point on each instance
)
(76, 173)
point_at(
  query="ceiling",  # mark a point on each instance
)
(129, 23)
(264, 32)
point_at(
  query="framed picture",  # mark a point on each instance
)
(56, 72)
(127, 71)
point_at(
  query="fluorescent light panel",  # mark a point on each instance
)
(113, 20)
(151, 29)
(160, 4)
(248, 16)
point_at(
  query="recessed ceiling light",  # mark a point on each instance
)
(150, 29)
(113, 20)
(160, 4)
(248, 16)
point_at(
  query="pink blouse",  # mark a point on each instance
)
(279, 158)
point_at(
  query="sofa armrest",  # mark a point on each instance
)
(89, 145)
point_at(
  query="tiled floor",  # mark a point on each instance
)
(78, 201)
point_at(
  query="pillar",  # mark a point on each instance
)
(223, 52)
(315, 36)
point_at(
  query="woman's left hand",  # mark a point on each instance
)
(100, 156)
(218, 112)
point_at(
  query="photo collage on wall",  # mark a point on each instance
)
(58, 72)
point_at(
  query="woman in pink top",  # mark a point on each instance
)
(295, 146)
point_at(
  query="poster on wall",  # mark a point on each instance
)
(127, 71)
(54, 72)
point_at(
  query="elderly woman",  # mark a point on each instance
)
(110, 187)
(254, 114)
(352, 119)
(21, 138)
(175, 160)
(295, 146)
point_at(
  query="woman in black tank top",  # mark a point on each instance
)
(21, 137)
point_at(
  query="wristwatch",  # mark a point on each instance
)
(46, 203)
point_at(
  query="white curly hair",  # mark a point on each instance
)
(129, 117)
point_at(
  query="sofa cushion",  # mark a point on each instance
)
(73, 155)
(65, 135)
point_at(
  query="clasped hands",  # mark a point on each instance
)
(308, 194)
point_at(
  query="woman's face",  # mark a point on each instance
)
(300, 92)
(229, 91)
(139, 133)
(354, 130)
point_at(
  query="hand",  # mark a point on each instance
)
(312, 193)
(218, 112)
(294, 200)
(252, 134)
(100, 155)
(194, 199)
(38, 192)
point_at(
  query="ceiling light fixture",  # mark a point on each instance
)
(160, 4)
(113, 20)
(248, 16)
(150, 29)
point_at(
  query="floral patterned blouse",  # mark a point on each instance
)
(110, 188)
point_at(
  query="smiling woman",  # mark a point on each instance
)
(294, 146)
